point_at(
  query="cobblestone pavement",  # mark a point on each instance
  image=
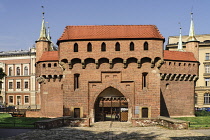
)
(112, 131)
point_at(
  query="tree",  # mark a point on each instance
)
(2, 74)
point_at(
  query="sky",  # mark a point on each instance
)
(20, 20)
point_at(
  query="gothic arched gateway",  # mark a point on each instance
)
(111, 105)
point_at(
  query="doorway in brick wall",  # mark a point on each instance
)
(111, 105)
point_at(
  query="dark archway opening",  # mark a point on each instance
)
(111, 105)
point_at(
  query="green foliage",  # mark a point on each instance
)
(6, 120)
(202, 113)
(2, 74)
(197, 122)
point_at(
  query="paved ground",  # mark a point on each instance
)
(112, 131)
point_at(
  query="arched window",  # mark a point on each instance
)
(75, 47)
(18, 70)
(89, 47)
(146, 46)
(196, 98)
(103, 47)
(117, 46)
(131, 46)
(10, 71)
(206, 98)
(25, 70)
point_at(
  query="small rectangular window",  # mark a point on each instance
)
(10, 99)
(18, 85)
(144, 80)
(76, 81)
(26, 99)
(207, 56)
(26, 85)
(10, 85)
(76, 112)
(18, 100)
(207, 68)
(144, 112)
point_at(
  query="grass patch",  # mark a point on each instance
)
(6, 120)
(197, 122)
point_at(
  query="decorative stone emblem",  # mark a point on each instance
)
(40, 79)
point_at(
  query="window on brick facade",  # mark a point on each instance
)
(89, 47)
(25, 70)
(145, 112)
(75, 47)
(10, 85)
(117, 46)
(206, 98)
(207, 56)
(18, 85)
(76, 112)
(18, 71)
(103, 47)
(26, 84)
(144, 80)
(55, 64)
(76, 81)
(49, 65)
(43, 65)
(146, 46)
(18, 100)
(10, 71)
(10, 99)
(196, 98)
(207, 68)
(26, 99)
(131, 46)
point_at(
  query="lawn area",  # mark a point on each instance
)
(6, 120)
(198, 122)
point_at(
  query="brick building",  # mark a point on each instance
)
(116, 72)
(18, 87)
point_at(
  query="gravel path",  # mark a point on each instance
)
(112, 131)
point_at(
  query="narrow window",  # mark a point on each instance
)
(206, 98)
(43, 65)
(75, 47)
(207, 56)
(49, 65)
(196, 98)
(131, 46)
(89, 47)
(146, 46)
(76, 81)
(144, 80)
(117, 46)
(26, 99)
(25, 70)
(10, 85)
(145, 112)
(103, 47)
(18, 71)
(10, 71)
(167, 86)
(10, 99)
(18, 85)
(76, 112)
(18, 100)
(207, 82)
(26, 85)
(55, 64)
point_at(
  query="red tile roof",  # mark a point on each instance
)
(110, 32)
(177, 55)
(49, 56)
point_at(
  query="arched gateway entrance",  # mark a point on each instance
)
(111, 105)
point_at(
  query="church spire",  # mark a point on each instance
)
(192, 31)
(43, 34)
(180, 47)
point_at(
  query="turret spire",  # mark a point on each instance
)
(192, 31)
(43, 34)
(180, 48)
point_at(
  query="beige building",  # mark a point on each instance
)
(202, 89)
(18, 87)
